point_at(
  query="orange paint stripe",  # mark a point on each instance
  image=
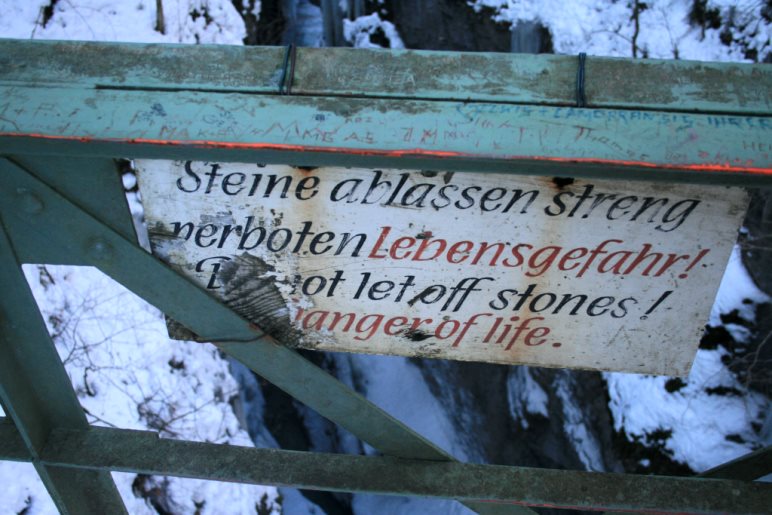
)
(725, 167)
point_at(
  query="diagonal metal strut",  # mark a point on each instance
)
(83, 238)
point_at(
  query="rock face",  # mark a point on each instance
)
(454, 26)
(756, 244)
(533, 417)
(753, 360)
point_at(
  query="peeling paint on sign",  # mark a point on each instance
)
(602, 275)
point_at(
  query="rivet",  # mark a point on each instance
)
(100, 250)
(30, 203)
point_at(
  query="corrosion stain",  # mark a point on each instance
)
(747, 166)
(250, 292)
(562, 182)
(416, 335)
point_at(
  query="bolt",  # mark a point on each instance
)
(30, 203)
(100, 250)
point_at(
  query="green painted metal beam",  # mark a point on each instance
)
(12, 446)
(144, 452)
(649, 84)
(37, 393)
(633, 145)
(752, 466)
(95, 182)
(78, 235)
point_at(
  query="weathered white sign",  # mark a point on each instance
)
(545, 271)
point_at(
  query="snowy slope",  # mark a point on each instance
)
(666, 29)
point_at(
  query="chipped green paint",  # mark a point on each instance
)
(513, 78)
(649, 120)
(546, 140)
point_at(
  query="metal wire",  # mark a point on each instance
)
(285, 85)
(580, 99)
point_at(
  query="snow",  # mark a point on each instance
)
(737, 291)
(605, 28)
(186, 21)
(252, 7)
(22, 489)
(397, 387)
(525, 396)
(360, 31)
(576, 428)
(700, 419)
(19, 19)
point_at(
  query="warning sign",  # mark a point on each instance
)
(604, 275)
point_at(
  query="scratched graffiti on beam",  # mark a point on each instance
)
(603, 275)
(363, 128)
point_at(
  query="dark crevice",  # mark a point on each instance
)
(48, 12)
(284, 420)
(265, 29)
(454, 26)
(155, 491)
(251, 20)
(674, 384)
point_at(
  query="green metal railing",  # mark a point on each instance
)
(68, 110)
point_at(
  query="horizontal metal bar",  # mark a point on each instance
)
(143, 452)
(515, 78)
(630, 145)
(77, 491)
(80, 236)
(745, 468)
